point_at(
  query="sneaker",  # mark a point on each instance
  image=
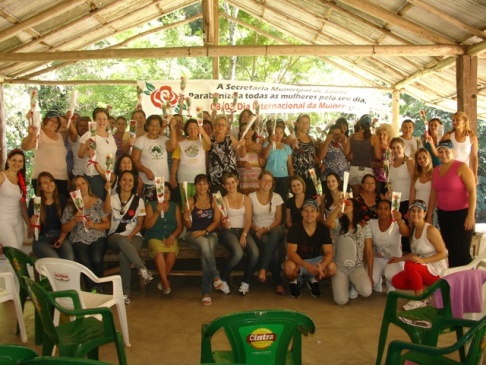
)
(414, 304)
(353, 294)
(294, 290)
(221, 285)
(300, 281)
(146, 275)
(378, 288)
(126, 299)
(244, 288)
(314, 288)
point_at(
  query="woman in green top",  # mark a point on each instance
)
(164, 224)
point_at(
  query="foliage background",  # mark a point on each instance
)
(285, 70)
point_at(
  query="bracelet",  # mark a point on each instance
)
(244, 234)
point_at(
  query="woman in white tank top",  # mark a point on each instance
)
(465, 142)
(422, 176)
(235, 235)
(12, 200)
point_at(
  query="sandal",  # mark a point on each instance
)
(280, 290)
(207, 301)
(262, 276)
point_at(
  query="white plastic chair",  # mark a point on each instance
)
(8, 292)
(479, 263)
(66, 275)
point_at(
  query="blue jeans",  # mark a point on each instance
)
(91, 256)
(206, 245)
(270, 245)
(42, 247)
(128, 256)
(230, 238)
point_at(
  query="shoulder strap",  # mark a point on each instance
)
(128, 215)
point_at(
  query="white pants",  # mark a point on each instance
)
(340, 283)
(380, 267)
(12, 234)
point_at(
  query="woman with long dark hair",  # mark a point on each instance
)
(353, 252)
(13, 195)
(127, 212)
(360, 149)
(87, 228)
(51, 242)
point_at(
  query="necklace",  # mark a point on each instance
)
(123, 204)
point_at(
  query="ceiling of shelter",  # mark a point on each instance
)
(39, 36)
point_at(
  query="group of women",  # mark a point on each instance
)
(255, 177)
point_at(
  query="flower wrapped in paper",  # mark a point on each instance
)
(133, 133)
(315, 180)
(222, 208)
(109, 163)
(186, 195)
(188, 106)
(92, 146)
(159, 190)
(79, 204)
(37, 209)
(396, 196)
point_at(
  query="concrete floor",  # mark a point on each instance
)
(167, 329)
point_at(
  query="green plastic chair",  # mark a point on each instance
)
(13, 354)
(258, 337)
(419, 354)
(23, 264)
(47, 360)
(83, 335)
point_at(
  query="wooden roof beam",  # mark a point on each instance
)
(396, 20)
(449, 19)
(52, 12)
(221, 51)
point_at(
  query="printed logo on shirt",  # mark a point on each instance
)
(156, 152)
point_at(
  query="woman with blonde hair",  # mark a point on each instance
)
(266, 229)
(384, 133)
(422, 176)
(465, 142)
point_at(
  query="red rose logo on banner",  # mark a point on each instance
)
(161, 95)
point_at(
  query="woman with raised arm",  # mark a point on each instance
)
(249, 161)
(235, 235)
(353, 253)
(266, 229)
(127, 212)
(87, 229)
(278, 161)
(422, 176)
(51, 152)
(51, 242)
(332, 154)
(304, 153)
(105, 144)
(162, 235)
(189, 158)
(427, 259)
(201, 220)
(13, 193)
(465, 142)
(360, 149)
(431, 139)
(149, 154)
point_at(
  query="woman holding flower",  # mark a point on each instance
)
(95, 145)
(86, 222)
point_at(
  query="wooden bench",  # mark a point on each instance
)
(186, 252)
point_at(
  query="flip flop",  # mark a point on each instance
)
(280, 290)
(207, 301)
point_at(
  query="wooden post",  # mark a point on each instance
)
(3, 136)
(395, 112)
(215, 60)
(467, 89)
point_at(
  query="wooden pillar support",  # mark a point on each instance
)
(395, 112)
(467, 87)
(211, 30)
(3, 135)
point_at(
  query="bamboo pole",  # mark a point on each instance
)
(395, 112)
(222, 51)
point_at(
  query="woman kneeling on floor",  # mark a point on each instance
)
(426, 261)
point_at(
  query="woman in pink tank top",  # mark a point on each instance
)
(454, 192)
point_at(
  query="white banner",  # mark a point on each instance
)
(273, 98)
